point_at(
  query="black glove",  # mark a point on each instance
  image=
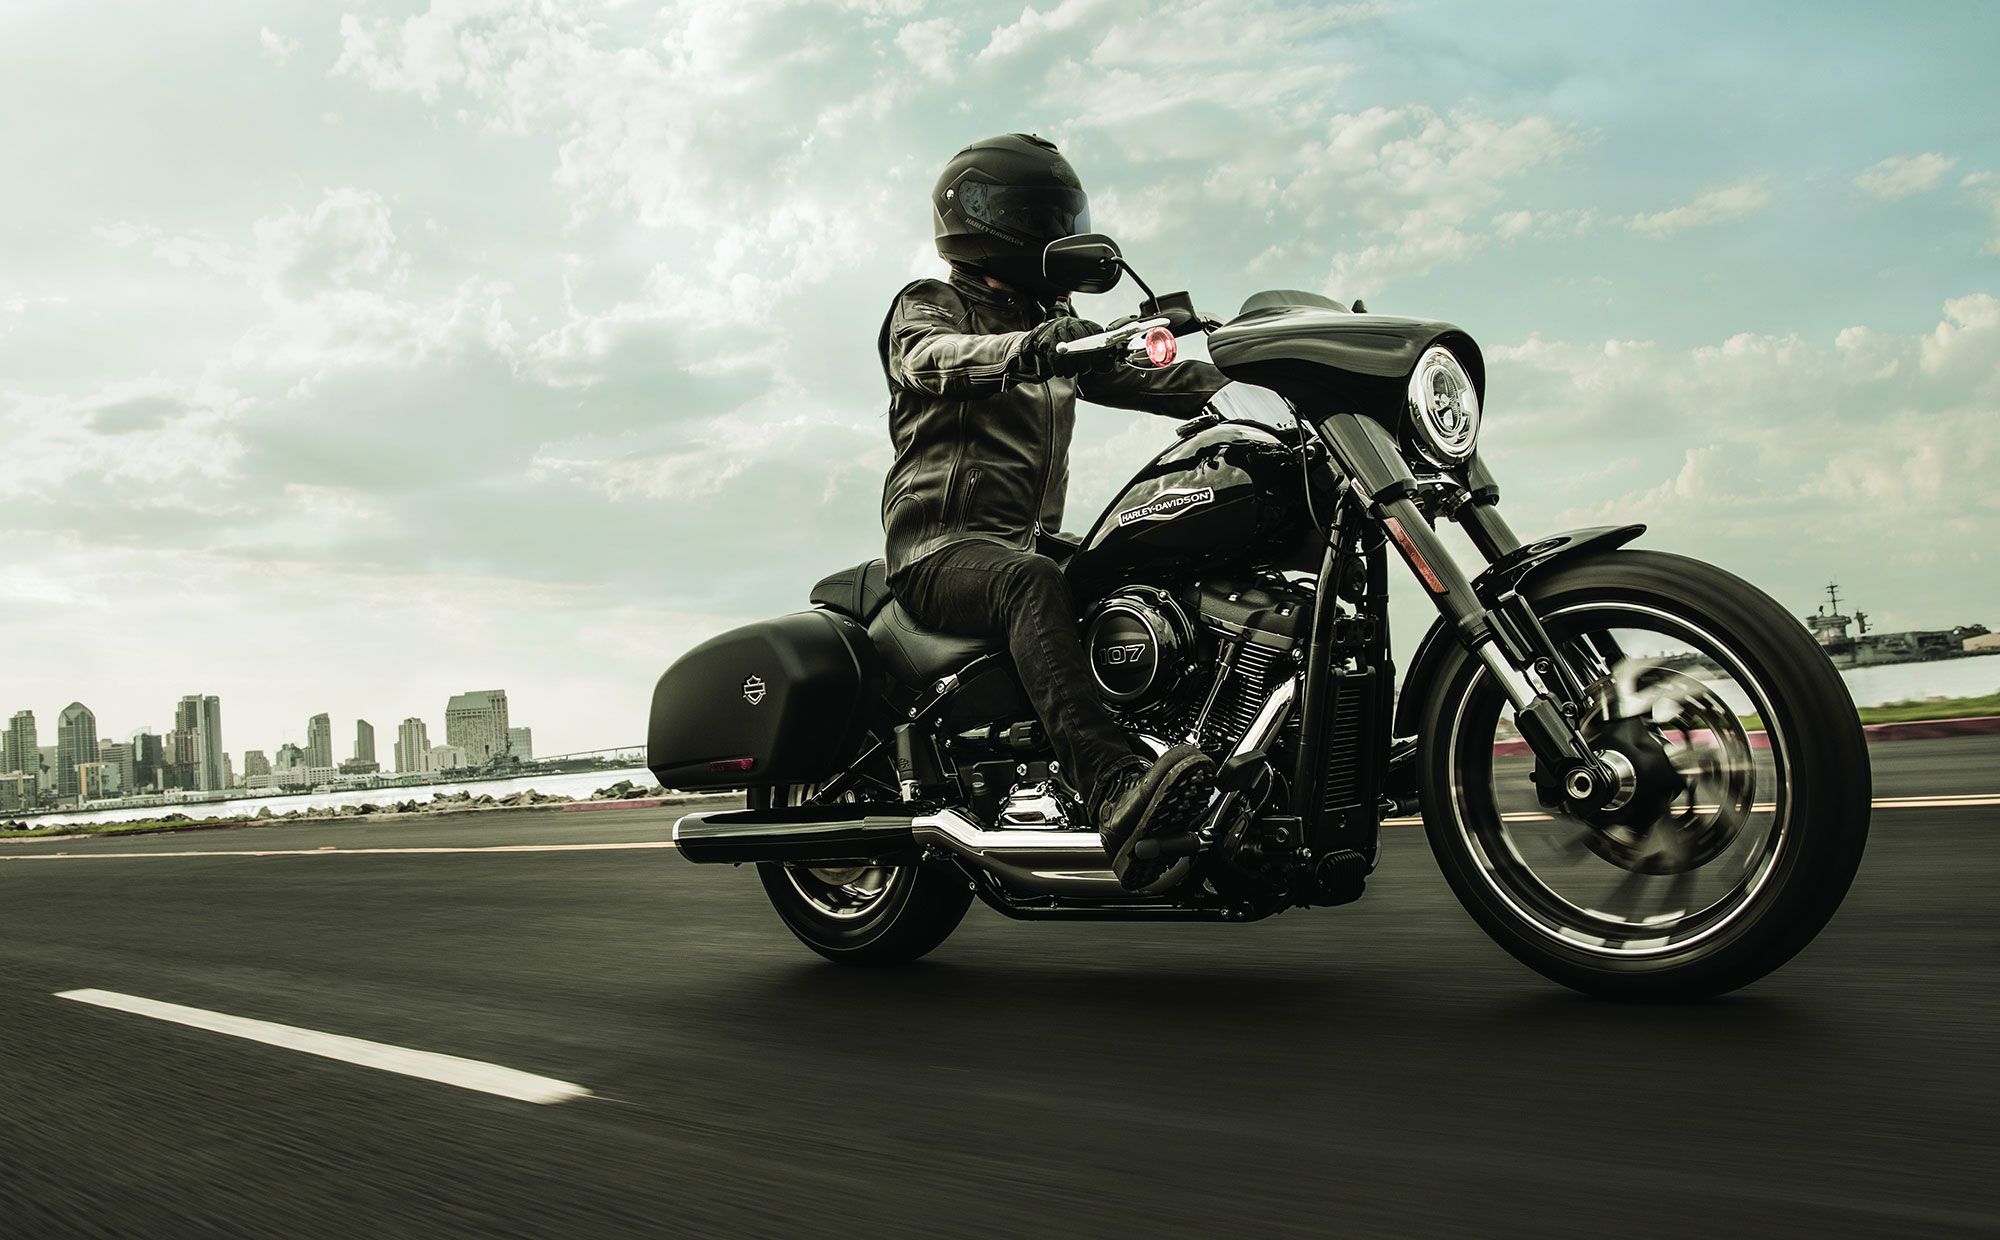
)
(1038, 359)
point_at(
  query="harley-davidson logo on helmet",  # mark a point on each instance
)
(753, 689)
(1168, 504)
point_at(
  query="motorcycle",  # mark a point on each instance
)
(1638, 773)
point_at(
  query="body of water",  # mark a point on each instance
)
(577, 784)
(1976, 676)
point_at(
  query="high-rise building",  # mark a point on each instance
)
(17, 792)
(179, 769)
(120, 753)
(364, 741)
(198, 722)
(149, 760)
(413, 747)
(76, 743)
(289, 757)
(255, 763)
(21, 752)
(319, 741)
(476, 722)
(521, 743)
(96, 781)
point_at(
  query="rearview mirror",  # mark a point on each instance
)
(1086, 263)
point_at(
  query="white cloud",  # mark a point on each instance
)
(277, 47)
(1415, 188)
(1900, 176)
(1766, 452)
(1035, 25)
(151, 442)
(333, 291)
(1714, 207)
(931, 45)
(1984, 188)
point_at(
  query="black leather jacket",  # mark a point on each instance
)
(982, 451)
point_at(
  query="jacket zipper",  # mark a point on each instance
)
(1048, 464)
(965, 498)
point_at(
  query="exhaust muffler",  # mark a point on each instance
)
(1026, 863)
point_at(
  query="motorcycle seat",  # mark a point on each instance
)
(915, 655)
(859, 592)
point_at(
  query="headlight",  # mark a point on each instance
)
(1444, 408)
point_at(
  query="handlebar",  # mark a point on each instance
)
(1130, 336)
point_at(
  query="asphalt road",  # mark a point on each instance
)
(1378, 1070)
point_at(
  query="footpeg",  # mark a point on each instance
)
(1338, 877)
(1186, 844)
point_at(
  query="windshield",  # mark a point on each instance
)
(1248, 402)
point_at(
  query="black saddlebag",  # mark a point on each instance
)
(783, 701)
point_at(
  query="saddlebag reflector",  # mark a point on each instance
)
(848, 832)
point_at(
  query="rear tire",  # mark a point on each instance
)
(1823, 789)
(864, 914)
(915, 908)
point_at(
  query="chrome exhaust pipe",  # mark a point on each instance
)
(841, 832)
(1026, 863)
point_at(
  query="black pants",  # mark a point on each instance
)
(982, 589)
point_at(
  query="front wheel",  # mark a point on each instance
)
(1748, 810)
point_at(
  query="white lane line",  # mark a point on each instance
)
(486, 1078)
(1971, 800)
(330, 851)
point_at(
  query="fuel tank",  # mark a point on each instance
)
(1226, 495)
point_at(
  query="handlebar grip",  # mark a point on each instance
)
(1106, 339)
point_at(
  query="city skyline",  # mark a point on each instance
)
(194, 756)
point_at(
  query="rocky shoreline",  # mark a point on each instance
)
(439, 803)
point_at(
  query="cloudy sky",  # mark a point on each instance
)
(356, 354)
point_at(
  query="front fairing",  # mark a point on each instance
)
(1327, 360)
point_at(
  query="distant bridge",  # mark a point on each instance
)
(634, 751)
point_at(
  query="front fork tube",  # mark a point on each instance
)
(1505, 635)
(1508, 638)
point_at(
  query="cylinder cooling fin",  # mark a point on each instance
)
(1139, 642)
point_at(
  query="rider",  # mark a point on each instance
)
(981, 408)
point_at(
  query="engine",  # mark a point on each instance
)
(1196, 664)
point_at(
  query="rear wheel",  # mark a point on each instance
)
(867, 914)
(1749, 803)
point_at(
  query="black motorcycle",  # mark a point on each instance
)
(1638, 772)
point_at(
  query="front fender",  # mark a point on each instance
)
(1508, 573)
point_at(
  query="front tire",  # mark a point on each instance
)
(1663, 919)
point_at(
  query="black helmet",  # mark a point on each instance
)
(1001, 201)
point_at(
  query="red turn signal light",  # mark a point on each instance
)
(1161, 347)
(725, 765)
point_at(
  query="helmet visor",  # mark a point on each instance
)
(1027, 214)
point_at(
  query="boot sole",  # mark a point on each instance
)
(1177, 805)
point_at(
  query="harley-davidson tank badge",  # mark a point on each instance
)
(753, 689)
(1167, 504)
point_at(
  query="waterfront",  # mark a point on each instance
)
(1881, 683)
(576, 784)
